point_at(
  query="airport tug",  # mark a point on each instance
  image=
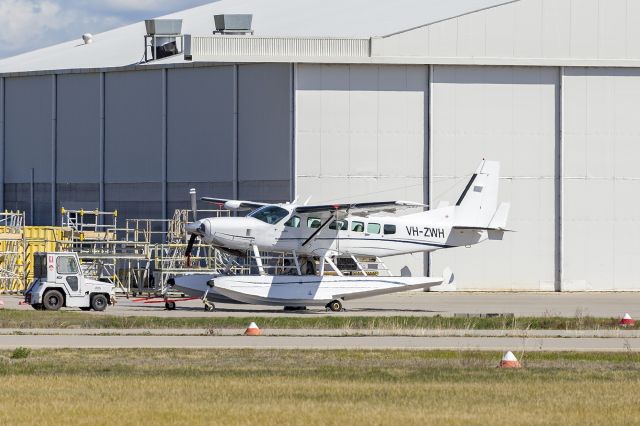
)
(59, 282)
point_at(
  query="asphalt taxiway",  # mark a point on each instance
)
(614, 344)
(410, 304)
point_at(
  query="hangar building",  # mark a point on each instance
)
(355, 100)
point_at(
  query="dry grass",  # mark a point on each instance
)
(70, 319)
(315, 387)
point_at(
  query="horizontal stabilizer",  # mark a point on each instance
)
(499, 220)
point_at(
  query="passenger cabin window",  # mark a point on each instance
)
(357, 226)
(373, 228)
(341, 225)
(66, 265)
(389, 229)
(270, 214)
(294, 222)
(314, 222)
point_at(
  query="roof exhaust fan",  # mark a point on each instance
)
(233, 24)
(162, 38)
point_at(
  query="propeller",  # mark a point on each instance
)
(194, 235)
(194, 204)
(187, 253)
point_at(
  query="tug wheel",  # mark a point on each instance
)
(335, 306)
(99, 302)
(53, 300)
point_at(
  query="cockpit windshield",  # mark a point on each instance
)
(270, 214)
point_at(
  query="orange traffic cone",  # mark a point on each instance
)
(509, 360)
(253, 330)
(627, 320)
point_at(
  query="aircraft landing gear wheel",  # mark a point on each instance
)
(209, 308)
(170, 306)
(335, 306)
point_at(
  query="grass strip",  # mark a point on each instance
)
(180, 386)
(68, 319)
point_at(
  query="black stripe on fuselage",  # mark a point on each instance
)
(423, 243)
(464, 194)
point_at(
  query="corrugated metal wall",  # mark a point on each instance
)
(360, 135)
(602, 179)
(508, 114)
(134, 140)
(28, 144)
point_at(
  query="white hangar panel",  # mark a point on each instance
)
(507, 114)
(360, 135)
(602, 179)
(361, 120)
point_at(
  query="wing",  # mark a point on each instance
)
(234, 204)
(360, 209)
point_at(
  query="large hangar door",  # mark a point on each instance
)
(508, 114)
(601, 179)
(360, 136)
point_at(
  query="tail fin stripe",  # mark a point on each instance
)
(473, 178)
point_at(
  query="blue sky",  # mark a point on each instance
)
(31, 24)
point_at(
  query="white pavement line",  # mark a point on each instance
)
(321, 342)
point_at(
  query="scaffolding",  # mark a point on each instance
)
(169, 257)
(12, 258)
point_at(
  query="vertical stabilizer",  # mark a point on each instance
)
(478, 203)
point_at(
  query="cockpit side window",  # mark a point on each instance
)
(270, 214)
(293, 222)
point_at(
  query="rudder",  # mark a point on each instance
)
(478, 203)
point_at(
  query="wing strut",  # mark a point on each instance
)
(324, 225)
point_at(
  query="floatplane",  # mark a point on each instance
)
(329, 231)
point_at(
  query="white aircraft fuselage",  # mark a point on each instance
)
(379, 236)
(360, 229)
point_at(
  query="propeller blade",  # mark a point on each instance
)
(194, 204)
(187, 253)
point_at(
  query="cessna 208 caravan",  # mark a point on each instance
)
(329, 230)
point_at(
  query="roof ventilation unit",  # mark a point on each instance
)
(87, 38)
(233, 24)
(162, 38)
